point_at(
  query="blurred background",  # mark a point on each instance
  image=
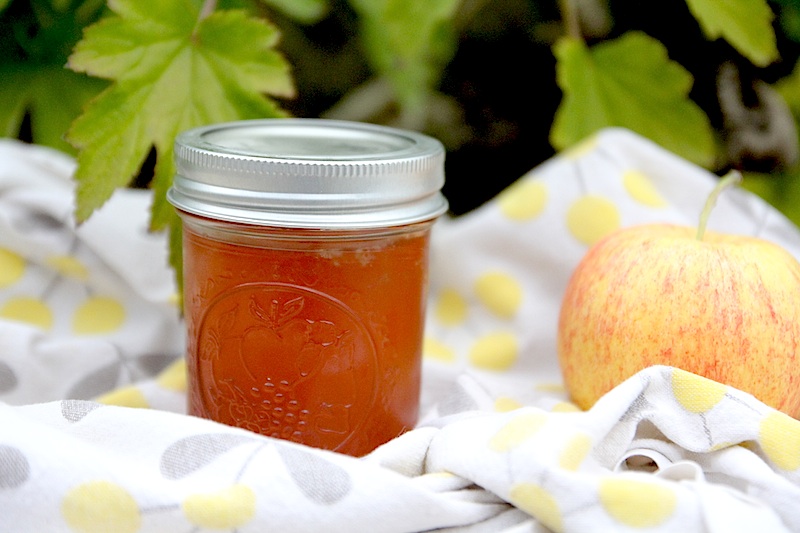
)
(487, 77)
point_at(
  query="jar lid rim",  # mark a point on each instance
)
(272, 170)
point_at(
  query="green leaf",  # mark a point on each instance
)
(51, 95)
(790, 23)
(171, 72)
(303, 11)
(408, 42)
(781, 190)
(745, 24)
(631, 83)
(789, 88)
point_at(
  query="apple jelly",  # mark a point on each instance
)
(305, 251)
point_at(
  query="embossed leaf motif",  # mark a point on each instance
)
(321, 481)
(192, 453)
(227, 320)
(279, 312)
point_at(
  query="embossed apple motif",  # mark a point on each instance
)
(282, 342)
(287, 362)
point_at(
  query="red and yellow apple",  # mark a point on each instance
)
(722, 306)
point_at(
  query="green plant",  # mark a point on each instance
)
(155, 67)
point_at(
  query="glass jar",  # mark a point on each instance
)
(305, 258)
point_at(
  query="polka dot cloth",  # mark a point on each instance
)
(89, 334)
(83, 310)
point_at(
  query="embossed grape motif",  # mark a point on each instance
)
(299, 364)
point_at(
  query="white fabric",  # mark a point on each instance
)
(88, 325)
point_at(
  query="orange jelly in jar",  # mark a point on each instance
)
(305, 272)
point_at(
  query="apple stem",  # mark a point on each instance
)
(733, 176)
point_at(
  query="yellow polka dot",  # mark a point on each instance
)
(517, 430)
(173, 377)
(575, 452)
(503, 404)
(641, 189)
(550, 387)
(433, 349)
(99, 507)
(539, 503)
(129, 396)
(98, 315)
(637, 503)
(12, 267)
(443, 474)
(565, 407)
(29, 310)
(500, 293)
(450, 308)
(749, 445)
(590, 218)
(228, 508)
(523, 200)
(779, 436)
(495, 351)
(68, 266)
(721, 446)
(695, 393)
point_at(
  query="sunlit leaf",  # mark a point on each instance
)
(745, 24)
(171, 72)
(629, 82)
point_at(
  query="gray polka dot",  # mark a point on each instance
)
(319, 480)
(38, 221)
(75, 410)
(8, 380)
(186, 455)
(14, 467)
(96, 382)
(153, 363)
(457, 400)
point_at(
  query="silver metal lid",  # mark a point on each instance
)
(309, 173)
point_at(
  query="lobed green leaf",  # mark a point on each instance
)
(629, 82)
(745, 24)
(171, 72)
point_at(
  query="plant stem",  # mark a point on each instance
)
(208, 7)
(734, 176)
(569, 13)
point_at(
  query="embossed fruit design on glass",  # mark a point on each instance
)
(305, 270)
